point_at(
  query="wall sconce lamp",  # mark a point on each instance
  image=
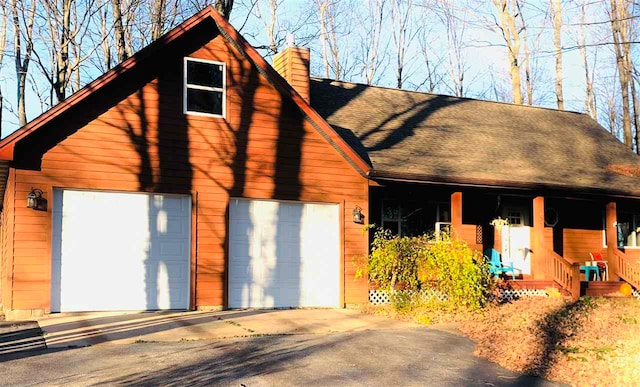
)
(358, 216)
(35, 201)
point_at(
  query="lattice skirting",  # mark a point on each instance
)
(381, 297)
(514, 294)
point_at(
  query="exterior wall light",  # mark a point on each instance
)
(35, 200)
(358, 217)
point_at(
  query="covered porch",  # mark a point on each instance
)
(548, 238)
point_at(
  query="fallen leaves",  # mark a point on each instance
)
(595, 341)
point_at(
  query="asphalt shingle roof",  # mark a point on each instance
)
(437, 137)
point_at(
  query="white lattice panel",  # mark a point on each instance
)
(514, 294)
(381, 297)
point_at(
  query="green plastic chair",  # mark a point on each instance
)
(496, 267)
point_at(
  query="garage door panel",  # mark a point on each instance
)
(283, 254)
(120, 251)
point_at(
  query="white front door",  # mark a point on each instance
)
(283, 254)
(516, 248)
(120, 251)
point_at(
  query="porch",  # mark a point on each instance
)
(548, 236)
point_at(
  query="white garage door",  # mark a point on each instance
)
(120, 251)
(283, 254)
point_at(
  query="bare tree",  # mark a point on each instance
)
(119, 31)
(333, 18)
(63, 26)
(528, 75)
(270, 23)
(590, 98)
(23, 20)
(455, 28)
(158, 18)
(556, 11)
(402, 33)
(370, 40)
(620, 45)
(432, 75)
(507, 14)
(224, 7)
(3, 42)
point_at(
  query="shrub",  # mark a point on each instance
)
(446, 265)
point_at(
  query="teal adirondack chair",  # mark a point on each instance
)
(496, 267)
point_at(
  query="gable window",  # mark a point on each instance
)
(204, 87)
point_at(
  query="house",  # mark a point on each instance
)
(194, 175)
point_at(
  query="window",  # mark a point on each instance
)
(628, 229)
(414, 218)
(204, 87)
(514, 217)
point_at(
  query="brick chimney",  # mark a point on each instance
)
(293, 65)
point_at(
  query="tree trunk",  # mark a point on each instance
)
(528, 81)
(158, 18)
(224, 7)
(22, 61)
(62, 60)
(589, 99)
(512, 39)
(623, 73)
(557, 42)
(322, 9)
(118, 31)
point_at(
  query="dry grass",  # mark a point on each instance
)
(594, 342)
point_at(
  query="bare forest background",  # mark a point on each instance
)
(579, 55)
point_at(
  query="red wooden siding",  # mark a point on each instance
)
(263, 149)
(293, 65)
(7, 230)
(579, 243)
(468, 234)
(548, 238)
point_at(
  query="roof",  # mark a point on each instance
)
(426, 137)
(7, 145)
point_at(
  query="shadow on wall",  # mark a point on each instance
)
(264, 251)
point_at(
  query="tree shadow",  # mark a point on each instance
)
(29, 341)
(555, 329)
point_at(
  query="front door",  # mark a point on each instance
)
(516, 247)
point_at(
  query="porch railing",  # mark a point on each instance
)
(627, 269)
(565, 273)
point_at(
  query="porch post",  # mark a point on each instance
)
(456, 212)
(537, 263)
(611, 233)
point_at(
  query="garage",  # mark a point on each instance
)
(283, 254)
(120, 251)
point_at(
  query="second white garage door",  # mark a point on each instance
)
(120, 251)
(283, 254)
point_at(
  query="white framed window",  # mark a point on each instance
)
(204, 87)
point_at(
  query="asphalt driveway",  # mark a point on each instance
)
(90, 329)
(408, 356)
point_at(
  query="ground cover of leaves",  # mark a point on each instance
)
(591, 342)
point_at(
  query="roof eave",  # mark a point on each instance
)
(381, 175)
